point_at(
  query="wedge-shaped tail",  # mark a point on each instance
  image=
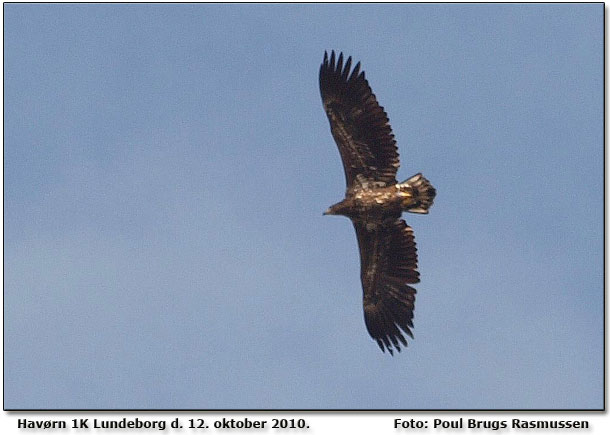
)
(424, 193)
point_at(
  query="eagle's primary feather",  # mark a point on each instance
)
(358, 123)
(374, 200)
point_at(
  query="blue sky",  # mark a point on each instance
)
(166, 169)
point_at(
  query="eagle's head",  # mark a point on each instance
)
(340, 208)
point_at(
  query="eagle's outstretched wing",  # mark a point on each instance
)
(388, 261)
(358, 123)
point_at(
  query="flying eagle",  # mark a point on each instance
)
(374, 200)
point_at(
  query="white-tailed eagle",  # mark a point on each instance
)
(374, 200)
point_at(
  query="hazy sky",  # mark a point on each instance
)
(166, 170)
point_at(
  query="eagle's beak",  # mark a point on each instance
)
(328, 211)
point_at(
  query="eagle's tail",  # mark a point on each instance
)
(423, 194)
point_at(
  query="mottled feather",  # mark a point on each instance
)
(358, 124)
(388, 264)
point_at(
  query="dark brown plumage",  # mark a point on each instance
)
(374, 201)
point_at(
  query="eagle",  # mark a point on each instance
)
(374, 200)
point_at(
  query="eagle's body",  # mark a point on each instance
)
(374, 200)
(374, 204)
